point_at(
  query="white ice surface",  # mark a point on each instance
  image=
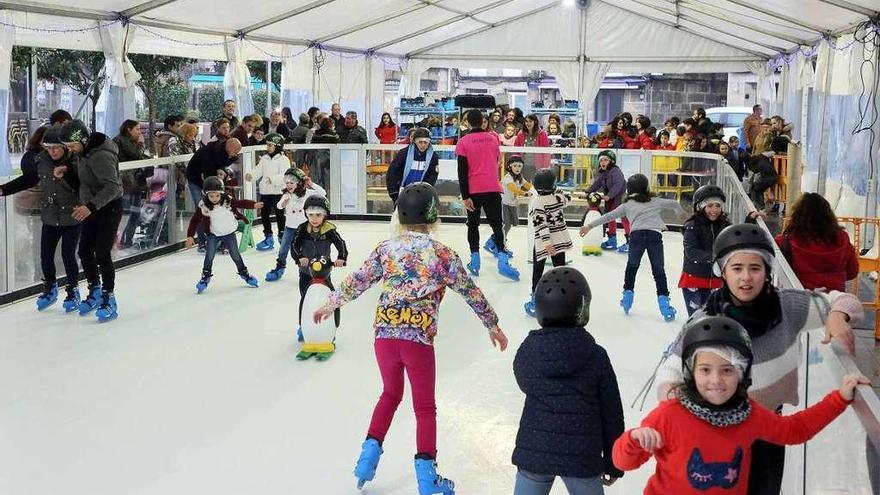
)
(202, 395)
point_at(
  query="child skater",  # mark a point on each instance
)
(312, 240)
(643, 209)
(514, 185)
(551, 231)
(271, 169)
(572, 413)
(702, 436)
(611, 183)
(218, 214)
(297, 189)
(414, 270)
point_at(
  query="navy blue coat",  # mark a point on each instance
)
(572, 414)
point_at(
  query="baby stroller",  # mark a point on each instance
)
(152, 228)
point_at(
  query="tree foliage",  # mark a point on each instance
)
(171, 99)
(258, 70)
(211, 103)
(158, 72)
(81, 70)
(260, 101)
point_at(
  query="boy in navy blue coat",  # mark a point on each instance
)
(573, 413)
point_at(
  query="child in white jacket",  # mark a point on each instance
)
(271, 169)
(298, 187)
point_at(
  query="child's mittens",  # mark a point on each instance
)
(648, 439)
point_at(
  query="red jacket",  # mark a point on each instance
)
(823, 265)
(387, 134)
(629, 142)
(645, 142)
(700, 459)
(542, 160)
(668, 147)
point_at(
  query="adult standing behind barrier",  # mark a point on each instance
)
(275, 124)
(165, 138)
(532, 135)
(816, 246)
(302, 134)
(414, 163)
(130, 143)
(205, 163)
(100, 211)
(351, 132)
(326, 134)
(774, 319)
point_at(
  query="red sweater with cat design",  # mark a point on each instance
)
(699, 458)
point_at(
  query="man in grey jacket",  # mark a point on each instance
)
(100, 211)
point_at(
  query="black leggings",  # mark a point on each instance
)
(491, 204)
(558, 259)
(768, 464)
(270, 203)
(97, 239)
(49, 242)
(305, 280)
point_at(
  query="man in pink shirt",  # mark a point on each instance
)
(478, 177)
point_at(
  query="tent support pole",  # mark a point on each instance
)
(268, 87)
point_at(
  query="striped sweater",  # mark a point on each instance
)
(777, 352)
(548, 219)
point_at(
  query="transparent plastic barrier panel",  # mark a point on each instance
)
(5, 265)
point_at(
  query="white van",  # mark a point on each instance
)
(731, 118)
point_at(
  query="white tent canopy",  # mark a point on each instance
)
(631, 35)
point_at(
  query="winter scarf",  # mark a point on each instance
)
(410, 158)
(757, 318)
(719, 417)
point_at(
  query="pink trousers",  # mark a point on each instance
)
(417, 360)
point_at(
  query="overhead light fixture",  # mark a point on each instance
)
(568, 3)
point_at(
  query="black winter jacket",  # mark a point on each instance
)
(28, 177)
(699, 236)
(206, 161)
(316, 244)
(572, 413)
(394, 176)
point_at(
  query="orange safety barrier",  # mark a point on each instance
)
(866, 264)
(779, 191)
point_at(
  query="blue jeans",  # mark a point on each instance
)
(231, 243)
(528, 483)
(287, 241)
(694, 299)
(652, 242)
(196, 193)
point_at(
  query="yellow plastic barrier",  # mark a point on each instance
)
(866, 264)
(667, 177)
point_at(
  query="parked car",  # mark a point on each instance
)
(732, 119)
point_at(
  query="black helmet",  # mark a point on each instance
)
(610, 154)
(562, 298)
(212, 184)
(545, 181)
(708, 191)
(742, 236)
(716, 330)
(317, 201)
(52, 137)
(319, 268)
(75, 131)
(593, 199)
(637, 184)
(275, 138)
(418, 204)
(420, 133)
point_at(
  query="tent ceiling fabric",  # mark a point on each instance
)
(486, 31)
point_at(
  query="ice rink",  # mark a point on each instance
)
(202, 394)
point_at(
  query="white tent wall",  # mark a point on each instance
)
(117, 100)
(411, 76)
(297, 69)
(343, 79)
(237, 80)
(7, 34)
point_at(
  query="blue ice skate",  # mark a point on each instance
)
(505, 268)
(90, 303)
(365, 469)
(248, 278)
(666, 309)
(624, 249)
(275, 274)
(431, 483)
(627, 302)
(202, 284)
(610, 244)
(71, 302)
(266, 244)
(530, 306)
(474, 265)
(48, 297)
(107, 310)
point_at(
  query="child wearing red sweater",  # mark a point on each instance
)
(701, 438)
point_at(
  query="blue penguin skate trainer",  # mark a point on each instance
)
(48, 297)
(90, 303)
(431, 483)
(365, 469)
